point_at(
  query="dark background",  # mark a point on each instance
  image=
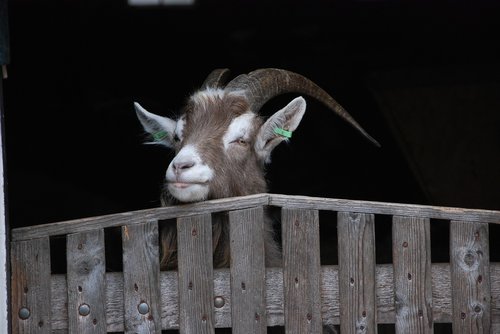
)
(421, 77)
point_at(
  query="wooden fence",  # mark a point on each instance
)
(358, 294)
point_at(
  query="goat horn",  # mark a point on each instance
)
(263, 84)
(217, 78)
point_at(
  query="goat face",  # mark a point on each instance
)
(222, 143)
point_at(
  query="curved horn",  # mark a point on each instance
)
(217, 78)
(263, 84)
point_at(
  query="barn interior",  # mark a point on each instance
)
(421, 77)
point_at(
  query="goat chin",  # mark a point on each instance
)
(188, 192)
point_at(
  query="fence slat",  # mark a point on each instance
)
(248, 309)
(30, 283)
(194, 236)
(86, 282)
(301, 271)
(411, 247)
(470, 277)
(141, 278)
(357, 273)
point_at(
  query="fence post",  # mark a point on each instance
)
(248, 308)
(301, 271)
(30, 284)
(358, 310)
(86, 282)
(141, 278)
(411, 247)
(196, 279)
(470, 277)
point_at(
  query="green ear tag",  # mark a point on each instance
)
(157, 136)
(283, 132)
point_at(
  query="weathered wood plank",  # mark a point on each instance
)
(139, 216)
(236, 203)
(301, 271)
(141, 278)
(247, 271)
(30, 284)
(412, 274)
(393, 209)
(471, 297)
(357, 272)
(86, 282)
(441, 287)
(196, 290)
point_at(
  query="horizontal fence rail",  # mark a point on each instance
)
(303, 296)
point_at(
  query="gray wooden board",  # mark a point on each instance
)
(301, 271)
(196, 292)
(234, 203)
(141, 278)
(30, 284)
(247, 271)
(412, 274)
(470, 281)
(86, 282)
(441, 294)
(357, 272)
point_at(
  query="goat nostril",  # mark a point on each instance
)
(183, 165)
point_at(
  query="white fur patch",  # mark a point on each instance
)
(239, 128)
(189, 184)
(207, 96)
(179, 129)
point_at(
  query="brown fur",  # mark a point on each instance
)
(237, 173)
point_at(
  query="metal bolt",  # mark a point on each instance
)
(84, 310)
(24, 313)
(143, 308)
(219, 301)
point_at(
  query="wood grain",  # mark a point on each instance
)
(30, 284)
(412, 274)
(247, 271)
(86, 282)
(301, 271)
(141, 278)
(196, 290)
(470, 281)
(357, 272)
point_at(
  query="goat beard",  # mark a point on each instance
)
(168, 238)
(220, 238)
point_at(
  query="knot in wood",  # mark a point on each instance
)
(468, 259)
(354, 217)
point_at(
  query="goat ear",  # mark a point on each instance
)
(279, 127)
(162, 129)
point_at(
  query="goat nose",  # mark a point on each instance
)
(182, 166)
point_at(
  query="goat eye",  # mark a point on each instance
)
(240, 141)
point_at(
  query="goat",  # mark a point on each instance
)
(223, 145)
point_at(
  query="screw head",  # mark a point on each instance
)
(219, 301)
(84, 310)
(24, 313)
(143, 308)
